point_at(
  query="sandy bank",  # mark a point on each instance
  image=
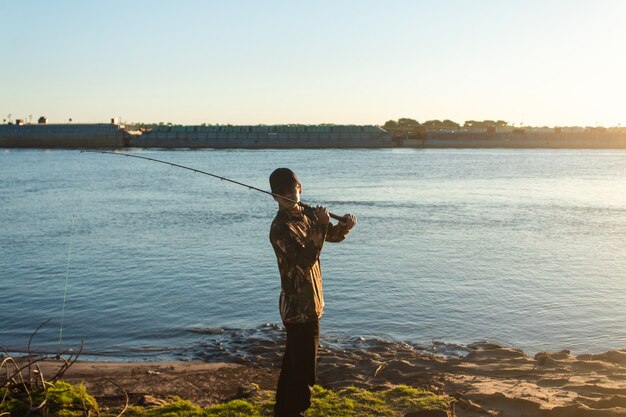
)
(200, 382)
(490, 380)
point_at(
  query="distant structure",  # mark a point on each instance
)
(274, 136)
(69, 136)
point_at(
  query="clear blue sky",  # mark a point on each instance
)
(552, 62)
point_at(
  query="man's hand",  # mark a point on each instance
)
(349, 221)
(322, 215)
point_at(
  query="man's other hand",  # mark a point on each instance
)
(349, 221)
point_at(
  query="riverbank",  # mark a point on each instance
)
(489, 380)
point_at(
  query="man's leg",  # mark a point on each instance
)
(297, 376)
(283, 383)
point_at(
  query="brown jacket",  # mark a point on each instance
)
(291, 234)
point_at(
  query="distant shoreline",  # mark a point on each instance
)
(114, 136)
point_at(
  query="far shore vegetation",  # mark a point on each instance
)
(404, 125)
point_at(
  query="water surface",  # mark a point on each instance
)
(520, 247)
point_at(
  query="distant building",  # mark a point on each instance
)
(261, 136)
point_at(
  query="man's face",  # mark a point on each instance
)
(293, 194)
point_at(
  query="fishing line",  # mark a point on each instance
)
(250, 187)
(67, 273)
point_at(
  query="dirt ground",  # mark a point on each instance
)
(490, 381)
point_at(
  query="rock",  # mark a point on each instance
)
(614, 356)
(494, 354)
(471, 406)
(247, 391)
(399, 366)
(545, 359)
(483, 346)
(613, 402)
(564, 354)
(581, 410)
(149, 401)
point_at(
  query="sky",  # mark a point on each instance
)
(533, 63)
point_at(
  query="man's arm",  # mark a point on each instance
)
(337, 233)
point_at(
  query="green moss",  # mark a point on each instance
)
(353, 402)
(411, 398)
(365, 400)
(65, 400)
(61, 400)
(236, 408)
(12, 406)
(330, 403)
(65, 395)
(181, 408)
(176, 406)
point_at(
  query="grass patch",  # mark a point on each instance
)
(58, 400)
(356, 402)
(65, 400)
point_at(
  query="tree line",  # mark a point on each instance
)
(406, 126)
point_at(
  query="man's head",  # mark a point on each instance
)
(284, 181)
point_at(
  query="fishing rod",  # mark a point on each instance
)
(250, 187)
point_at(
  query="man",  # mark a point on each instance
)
(297, 234)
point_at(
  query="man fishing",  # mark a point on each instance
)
(297, 234)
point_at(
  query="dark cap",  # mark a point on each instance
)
(283, 180)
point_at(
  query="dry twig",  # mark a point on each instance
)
(14, 384)
(125, 395)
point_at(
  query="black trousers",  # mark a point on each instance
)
(297, 376)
